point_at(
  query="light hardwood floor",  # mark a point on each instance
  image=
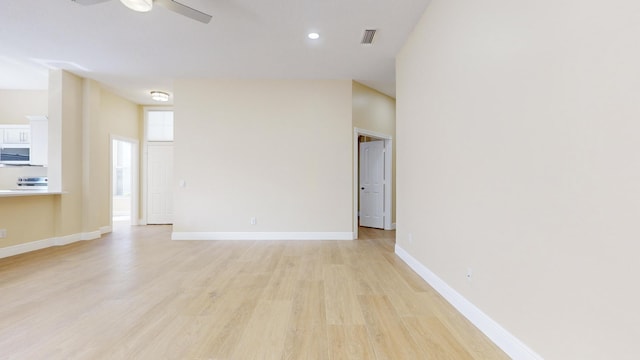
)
(135, 294)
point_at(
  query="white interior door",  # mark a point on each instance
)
(372, 184)
(159, 184)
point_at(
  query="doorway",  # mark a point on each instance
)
(157, 167)
(124, 181)
(159, 183)
(385, 190)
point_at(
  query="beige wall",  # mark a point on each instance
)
(279, 150)
(518, 148)
(82, 116)
(375, 111)
(107, 114)
(15, 105)
(27, 219)
(121, 118)
(69, 209)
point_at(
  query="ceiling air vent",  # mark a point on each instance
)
(367, 38)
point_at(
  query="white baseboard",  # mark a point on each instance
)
(511, 345)
(24, 248)
(177, 235)
(105, 229)
(90, 235)
(46, 243)
(65, 240)
(393, 227)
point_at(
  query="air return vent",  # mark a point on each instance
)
(367, 38)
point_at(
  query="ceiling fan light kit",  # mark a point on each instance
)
(147, 5)
(138, 5)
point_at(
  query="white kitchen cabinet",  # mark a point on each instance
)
(15, 134)
(39, 140)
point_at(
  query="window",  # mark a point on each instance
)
(159, 125)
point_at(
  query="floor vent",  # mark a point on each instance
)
(367, 38)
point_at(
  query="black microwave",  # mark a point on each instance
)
(15, 155)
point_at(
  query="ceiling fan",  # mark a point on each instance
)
(146, 5)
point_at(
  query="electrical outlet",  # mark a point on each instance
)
(3, 233)
(469, 274)
(254, 220)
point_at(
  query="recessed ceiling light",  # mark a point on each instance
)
(313, 36)
(160, 96)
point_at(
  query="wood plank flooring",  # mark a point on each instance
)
(135, 294)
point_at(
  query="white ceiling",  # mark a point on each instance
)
(133, 53)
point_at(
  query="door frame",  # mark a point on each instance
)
(135, 177)
(388, 176)
(145, 145)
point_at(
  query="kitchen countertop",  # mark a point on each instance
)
(10, 193)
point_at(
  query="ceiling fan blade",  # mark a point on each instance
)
(184, 10)
(89, 2)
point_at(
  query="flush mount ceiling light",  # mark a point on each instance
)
(160, 96)
(313, 36)
(138, 5)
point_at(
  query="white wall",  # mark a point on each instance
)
(277, 150)
(519, 156)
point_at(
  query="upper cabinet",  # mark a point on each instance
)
(15, 134)
(30, 142)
